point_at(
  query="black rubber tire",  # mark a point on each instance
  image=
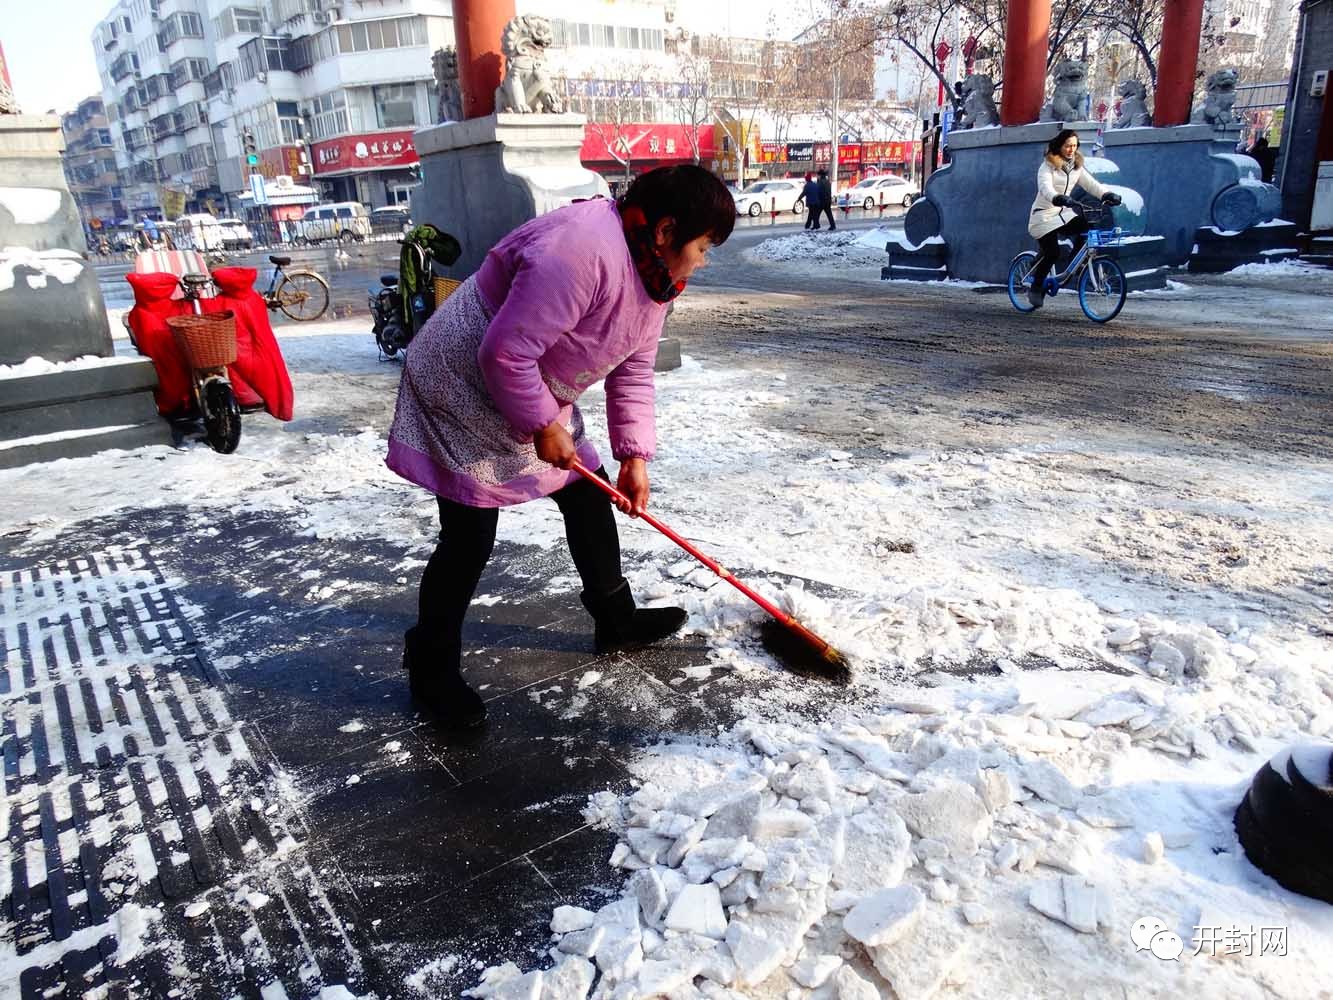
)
(316, 293)
(754, 210)
(222, 416)
(1019, 268)
(868, 204)
(1284, 828)
(1102, 308)
(799, 207)
(907, 201)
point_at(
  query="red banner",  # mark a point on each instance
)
(373, 151)
(642, 143)
(772, 152)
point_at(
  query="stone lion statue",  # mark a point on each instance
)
(526, 88)
(978, 102)
(1217, 104)
(445, 63)
(1134, 111)
(1069, 98)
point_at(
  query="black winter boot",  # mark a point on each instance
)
(620, 625)
(436, 682)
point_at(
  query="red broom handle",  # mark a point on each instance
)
(712, 564)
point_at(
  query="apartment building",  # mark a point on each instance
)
(329, 91)
(90, 164)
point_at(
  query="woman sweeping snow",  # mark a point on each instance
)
(486, 415)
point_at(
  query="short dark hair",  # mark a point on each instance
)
(823, 173)
(1061, 137)
(699, 203)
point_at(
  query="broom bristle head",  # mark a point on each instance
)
(798, 652)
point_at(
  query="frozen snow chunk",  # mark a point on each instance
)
(493, 978)
(1153, 848)
(1067, 853)
(975, 914)
(620, 955)
(710, 856)
(1073, 901)
(1123, 634)
(571, 918)
(648, 889)
(703, 802)
(996, 788)
(686, 842)
(582, 943)
(1169, 657)
(1113, 712)
(878, 851)
(850, 986)
(525, 987)
(884, 916)
(569, 980)
(756, 954)
(919, 963)
(778, 899)
(814, 971)
(875, 754)
(843, 900)
(698, 909)
(656, 978)
(1108, 811)
(942, 891)
(197, 909)
(1007, 856)
(951, 812)
(622, 913)
(775, 824)
(648, 846)
(1048, 782)
(736, 818)
(811, 781)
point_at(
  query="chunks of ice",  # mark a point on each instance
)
(884, 916)
(1071, 900)
(1047, 781)
(951, 812)
(850, 986)
(814, 971)
(571, 918)
(878, 851)
(698, 909)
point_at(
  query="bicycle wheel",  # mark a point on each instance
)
(302, 295)
(222, 416)
(1019, 270)
(1101, 289)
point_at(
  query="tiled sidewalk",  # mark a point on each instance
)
(263, 758)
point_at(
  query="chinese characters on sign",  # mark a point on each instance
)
(364, 152)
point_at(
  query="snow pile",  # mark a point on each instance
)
(859, 248)
(40, 366)
(36, 267)
(1284, 269)
(957, 838)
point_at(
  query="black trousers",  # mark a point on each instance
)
(827, 210)
(812, 217)
(467, 536)
(1077, 229)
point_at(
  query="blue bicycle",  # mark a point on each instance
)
(1101, 280)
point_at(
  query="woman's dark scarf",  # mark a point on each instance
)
(648, 261)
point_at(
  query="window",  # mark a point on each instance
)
(182, 24)
(395, 105)
(104, 137)
(289, 122)
(248, 19)
(364, 36)
(328, 115)
(186, 70)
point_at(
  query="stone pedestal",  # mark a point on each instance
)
(1194, 179)
(50, 303)
(979, 204)
(484, 177)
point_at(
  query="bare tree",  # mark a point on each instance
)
(616, 105)
(689, 98)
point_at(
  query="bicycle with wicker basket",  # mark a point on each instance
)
(208, 343)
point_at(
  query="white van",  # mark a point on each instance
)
(202, 232)
(341, 220)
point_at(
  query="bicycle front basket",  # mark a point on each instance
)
(1105, 237)
(207, 341)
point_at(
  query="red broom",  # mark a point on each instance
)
(825, 653)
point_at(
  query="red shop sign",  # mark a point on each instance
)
(372, 151)
(648, 141)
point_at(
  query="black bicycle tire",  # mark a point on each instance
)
(1114, 265)
(287, 277)
(1022, 305)
(222, 416)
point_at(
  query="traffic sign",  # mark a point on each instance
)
(257, 189)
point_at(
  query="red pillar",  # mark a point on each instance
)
(1026, 40)
(1177, 61)
(478, 25)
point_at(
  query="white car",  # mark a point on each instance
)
(782, 195)
(885, 189)
(235, 235)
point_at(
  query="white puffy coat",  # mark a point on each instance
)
(1058, 176)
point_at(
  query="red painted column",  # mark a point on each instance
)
(1177, 61)
(478, 25)
(1026, 40)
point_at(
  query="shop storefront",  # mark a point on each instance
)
(607, 148)
(376, 168)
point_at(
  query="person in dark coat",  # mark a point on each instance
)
(1265, 156)
(825, 199)
(810, 195)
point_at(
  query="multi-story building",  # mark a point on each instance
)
(90, 165)
(330, 93)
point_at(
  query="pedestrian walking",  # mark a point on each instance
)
(487, 416)
(810, 195)
(1061, 171)
(825, 199)
(1265, 156)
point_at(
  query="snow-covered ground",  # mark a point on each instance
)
(1157, 620)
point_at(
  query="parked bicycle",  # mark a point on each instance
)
(208, 342)
(1101, 279)
(302, 295)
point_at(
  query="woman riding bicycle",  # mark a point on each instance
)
(1060, 172)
